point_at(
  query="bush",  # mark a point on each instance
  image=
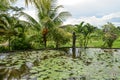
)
(20, 44)
(3, 49)
(61, 37)
(109, 39)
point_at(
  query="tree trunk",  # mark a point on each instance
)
(45, 40)
(57, 44)
(44, 32)
(73, 46)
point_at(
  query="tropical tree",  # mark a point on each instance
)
(34, 31)
(78, 31)
(110, 34)
(48, 17)
(85, 31)
(10, 25)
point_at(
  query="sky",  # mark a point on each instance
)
(95, 12)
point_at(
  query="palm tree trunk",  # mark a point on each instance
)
(45, 40)
(57, 45)
(73, 46)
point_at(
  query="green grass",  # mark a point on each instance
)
(99, 43)
(95, 43)
(116, 44)
(91, 43)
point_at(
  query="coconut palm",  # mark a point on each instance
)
(85, 30)
(10, 25)
(48, 17)
(79, 30)
(7, 26)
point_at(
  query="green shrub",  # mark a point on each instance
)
(20, 44)
(60, 37)
(3, 49)
(109, 39)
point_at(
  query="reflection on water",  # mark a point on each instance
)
(3, 55)
(100, 62)
(90, 64)
(93, 51)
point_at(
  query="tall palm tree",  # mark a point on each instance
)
(48, 17)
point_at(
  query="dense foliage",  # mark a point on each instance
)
(47, 30)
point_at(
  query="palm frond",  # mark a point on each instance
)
(31, 20)
(62, 16)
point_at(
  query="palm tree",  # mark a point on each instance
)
(7, 26)
(9, 23)
(48, 17)
(11, 26)
(79, 30)
(85, 30)
(80, 26)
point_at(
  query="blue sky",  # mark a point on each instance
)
(96, 12)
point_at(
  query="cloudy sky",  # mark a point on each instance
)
(96, 12)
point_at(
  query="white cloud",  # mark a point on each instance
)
(70, 3)
(90, 7)
(112, 15)
(94, 20)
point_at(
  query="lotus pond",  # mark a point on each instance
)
(90, 64)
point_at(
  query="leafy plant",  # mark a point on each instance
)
(20, 44)
(60, 36)
(3, 49)
(110, 35)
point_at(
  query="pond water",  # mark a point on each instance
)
(90, 64)
(94, 51)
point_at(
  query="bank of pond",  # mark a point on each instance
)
(89, 64)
